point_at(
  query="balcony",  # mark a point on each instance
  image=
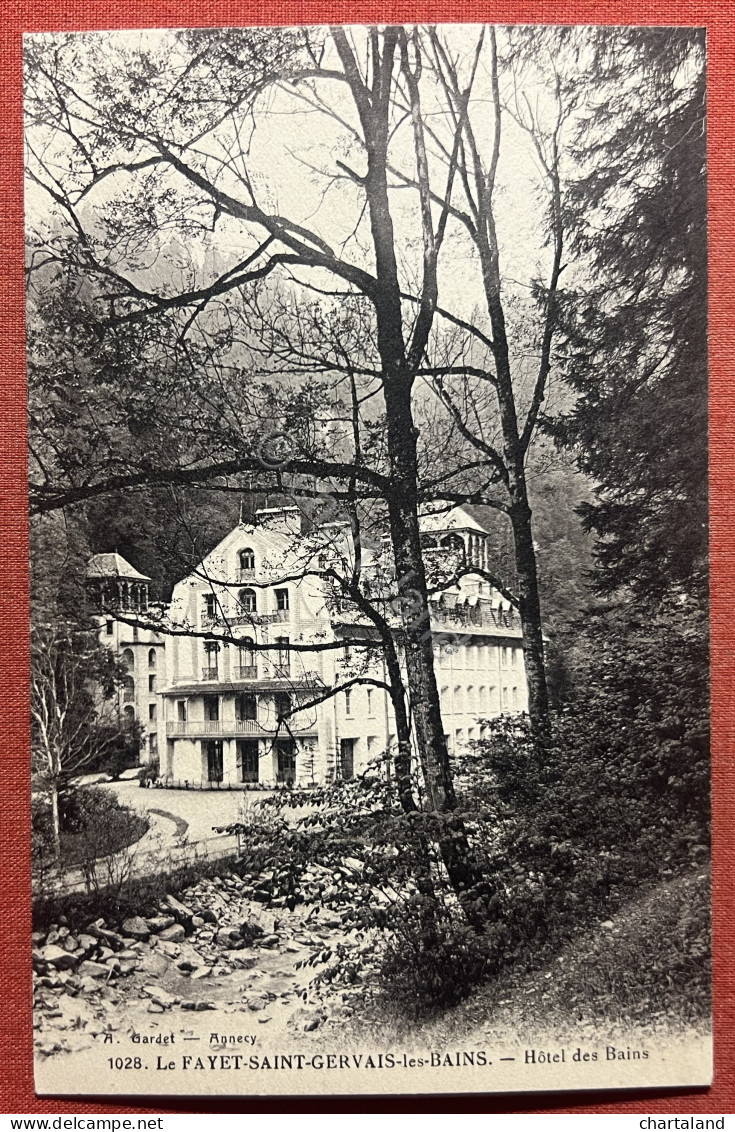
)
(246, 672)
(200, 728)
(282, 615)
(246, 575)
(210, 673)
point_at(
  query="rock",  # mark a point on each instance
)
(261, 895)
(158, 994)
(242, 959)
(171, 949)
(62, 960)
(208, 915)
(160, 923)
(189, 1005)
(127, 966)
(607, 924)
(269, 941)
(111, 939)
(155, 964)
(174, 934)
(197, 921)
(91, 970)
(264, 1018)
(87, 942)
(306, 1020)
(201, 973)
(136, 927)
(155, 1008)
(37, 939)
(40, 965)
(186, 965)
(179, 911)
(229, 938)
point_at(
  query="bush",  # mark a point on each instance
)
(430, 961)
(94, 824)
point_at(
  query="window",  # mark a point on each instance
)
(504, 656)
(109, 627)
(281, 600)
(284, 655)
(248, 600)
(282, 702)
(151, 711)
(181, 710)
(128, 659)
(151, 683)
(246, 706)
(286, 752)
(211, 658)
(470, 698)
(346, 758)
(153, 744)
(215, 761)
(370, 701)
(129, 715)
(128, 690)
(247, 760)
(209, 603)
(321, 562)
(348, 703)
(458, 698)
(151, 658)
(211, 708)
(247, 560)
(515, 697)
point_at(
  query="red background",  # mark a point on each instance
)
(16, 1070)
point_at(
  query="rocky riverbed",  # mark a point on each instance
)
(223, 946)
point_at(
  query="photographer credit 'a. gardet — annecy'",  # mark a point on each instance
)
(368, 483)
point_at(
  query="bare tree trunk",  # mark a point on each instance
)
(55, 823)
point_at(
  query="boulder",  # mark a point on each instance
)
(137, 928)
(160, 995)
(181, 913)
(160, 923)
(60, 959)
(208, 915)
(229, 938)
(91, 970)
(174, 934)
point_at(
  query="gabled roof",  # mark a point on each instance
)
(455, 520)
(113, 566)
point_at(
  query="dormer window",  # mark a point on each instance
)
(246, 559)
(248, 600)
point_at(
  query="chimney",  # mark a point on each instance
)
(281, 520)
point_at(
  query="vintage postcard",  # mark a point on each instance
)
(368, 479)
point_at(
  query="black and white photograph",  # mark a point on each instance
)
(367, 378)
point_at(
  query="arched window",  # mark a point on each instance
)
(129, 715)
(247, 658)
(128, 659)
(151, 658)
(128, 689)
(246, 558)
(248, 600)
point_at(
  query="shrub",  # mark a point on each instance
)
(94, 824)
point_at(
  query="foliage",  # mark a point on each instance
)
(636, 314)
(93, 824)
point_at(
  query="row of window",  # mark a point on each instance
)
(246, 657)
(467, 700)
(473, 655)
(246, 707)
(128, 658)
(247, 600)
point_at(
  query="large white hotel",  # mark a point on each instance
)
(232, 712)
